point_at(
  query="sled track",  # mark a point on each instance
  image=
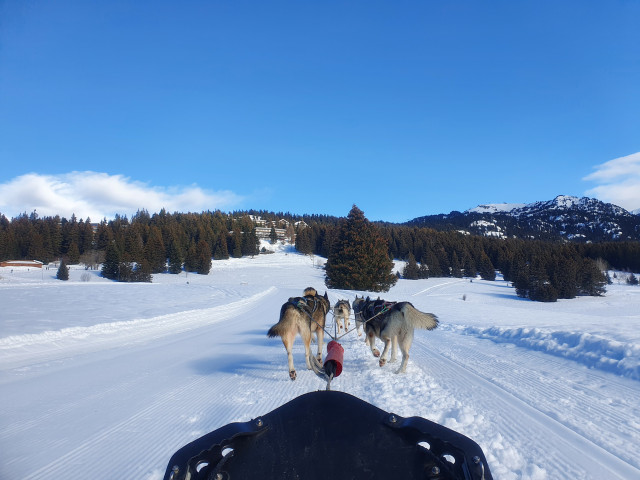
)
(62, 466)
(480, 381)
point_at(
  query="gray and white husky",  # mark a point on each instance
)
(393, 323)
(342, 314)
(305, 315)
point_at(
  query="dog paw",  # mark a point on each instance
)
(292, 374)
(383, 361)
(376, 353)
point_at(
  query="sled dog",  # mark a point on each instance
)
(393, 323)
(341, 313)
(305, 315)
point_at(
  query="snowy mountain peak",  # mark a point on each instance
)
(567, 217)
(566, 201)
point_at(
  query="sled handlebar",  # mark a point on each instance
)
(328, 434)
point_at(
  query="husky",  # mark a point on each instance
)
(305, 315)
(393, 323)
(342, 312)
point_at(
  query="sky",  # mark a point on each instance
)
(403, 108)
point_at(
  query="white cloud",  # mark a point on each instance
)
(618, 182)
(99, 195)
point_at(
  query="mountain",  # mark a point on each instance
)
(565, 217)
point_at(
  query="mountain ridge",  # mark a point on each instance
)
(581, 219)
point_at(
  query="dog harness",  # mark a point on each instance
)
(376, 307)
(307, 304)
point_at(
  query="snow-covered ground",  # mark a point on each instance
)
(107, 380)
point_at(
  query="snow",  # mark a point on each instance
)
(496, 208)
(110, 379)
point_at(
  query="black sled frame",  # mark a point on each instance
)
(330, 435)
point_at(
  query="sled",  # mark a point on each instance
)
(330, 435)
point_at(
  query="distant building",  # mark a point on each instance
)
(21, 263)
(265, 232)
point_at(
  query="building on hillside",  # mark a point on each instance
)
(265, 232)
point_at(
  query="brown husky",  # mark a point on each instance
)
(305, 315)
(393, 323)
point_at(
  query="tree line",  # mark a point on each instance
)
(539, 270)
(133, 249)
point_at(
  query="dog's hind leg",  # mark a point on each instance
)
(405, 342)
(383, 356)
(394, 348)
(320, 337)
(371, 341)
(405, 360)
(306, 340)
(287, 340)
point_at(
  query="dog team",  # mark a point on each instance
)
(392, 322)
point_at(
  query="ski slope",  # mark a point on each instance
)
(107, 380)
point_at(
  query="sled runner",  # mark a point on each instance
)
(330, 435)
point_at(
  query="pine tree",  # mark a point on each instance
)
(63, 271)
(250, 242)
(303, 241)
(236, 241)
(537, 278)
(359, 258)
(203, 257)
(469, 267)
(591, 280)
(111, 264)
(431, 265)
(456, 271)
(411, 270)
(142, 272)
(175, 258)
(154, 251)
(521, 283)
(73, 254)
(486, 268)
(221, 251)
(565, 277)
(423, 270)
(191, 259)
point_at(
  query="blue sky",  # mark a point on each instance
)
(404, 108)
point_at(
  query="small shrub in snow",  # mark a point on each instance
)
(63, 271)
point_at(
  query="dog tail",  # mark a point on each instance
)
(285, 323)
(426, 321)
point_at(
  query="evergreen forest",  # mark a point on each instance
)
(133, 249)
